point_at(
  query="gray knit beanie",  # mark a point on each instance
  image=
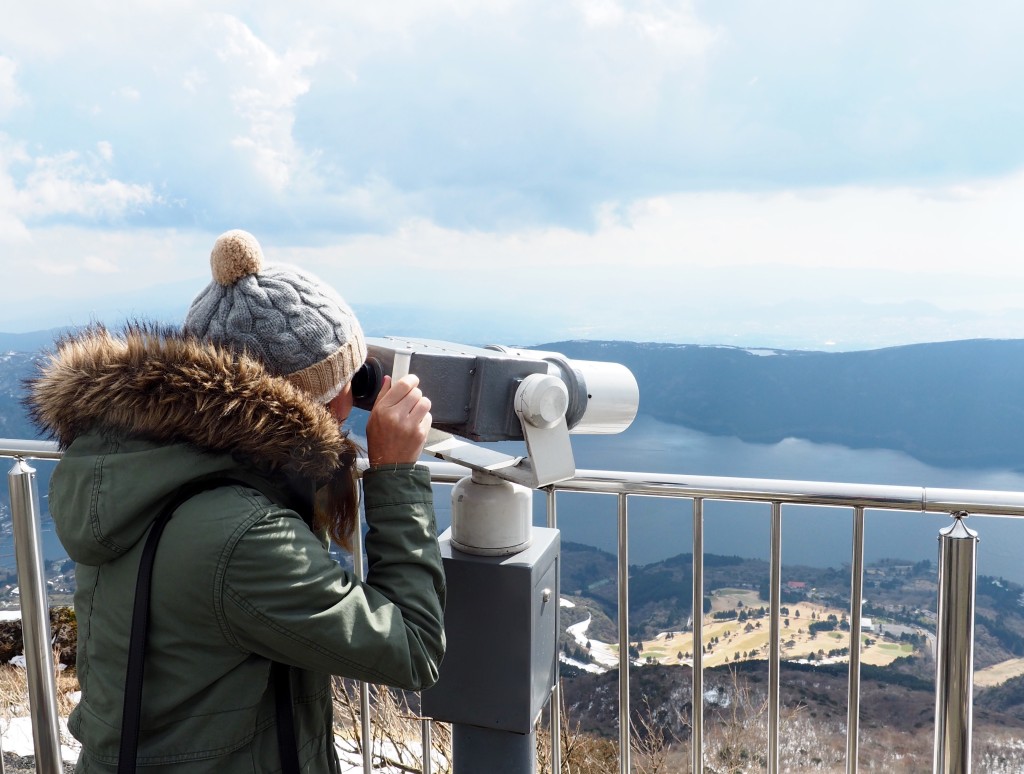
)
(296, 325)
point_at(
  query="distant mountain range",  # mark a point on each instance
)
(954, 404)
(15, 367)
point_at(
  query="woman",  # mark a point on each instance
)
(253, 389)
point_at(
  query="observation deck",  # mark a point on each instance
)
(953, 635)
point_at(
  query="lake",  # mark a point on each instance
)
(815, 536)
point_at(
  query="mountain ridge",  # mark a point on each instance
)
(951, 403)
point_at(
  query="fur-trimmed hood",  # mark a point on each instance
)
(162, 385)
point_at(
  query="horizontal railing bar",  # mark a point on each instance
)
(885, 497)
(35, 450)
(878, 496)
(440, 472)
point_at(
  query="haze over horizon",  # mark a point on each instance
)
(840, 176)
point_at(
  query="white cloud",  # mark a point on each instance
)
(709, 258)
(265, 86)
(776, 269)
(63, 274)
(65, 28)
(42, 187)
(599, 13)
(924, 230)
(67, 184)
(486, 114)
(98, 265)
(193, 80)
(10, 97)
(624, 147)
(674, 26)
(56, 268)
(12, 227)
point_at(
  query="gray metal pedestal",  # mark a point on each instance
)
(497, 674)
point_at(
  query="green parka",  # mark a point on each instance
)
(240, 579)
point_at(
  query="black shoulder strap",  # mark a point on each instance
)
(132, 710)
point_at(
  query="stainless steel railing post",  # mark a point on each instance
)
(555, 707)
(427, 743)
(35, 617)
(697, 675)
(774, 638)
(625, 735)
(954, 648)
(856, 602)
(365, 724)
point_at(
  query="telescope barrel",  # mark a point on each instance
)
(472, 389)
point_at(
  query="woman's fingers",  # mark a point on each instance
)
(399, 422)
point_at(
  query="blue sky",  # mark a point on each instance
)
(819, 175)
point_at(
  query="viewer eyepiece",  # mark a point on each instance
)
(367, 381)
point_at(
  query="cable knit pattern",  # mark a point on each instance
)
(287, 318)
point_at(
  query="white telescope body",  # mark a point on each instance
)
(610, 395)
(614, 398)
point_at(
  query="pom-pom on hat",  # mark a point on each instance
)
(296, 325)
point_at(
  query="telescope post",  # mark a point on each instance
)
(500, 620)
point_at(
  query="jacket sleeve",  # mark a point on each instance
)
(284, 597)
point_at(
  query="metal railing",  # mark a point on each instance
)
(957, 571)
(954, 641)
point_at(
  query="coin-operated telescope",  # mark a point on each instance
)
(501, 394)
(501, 615)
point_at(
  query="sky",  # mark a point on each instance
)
(841, 175)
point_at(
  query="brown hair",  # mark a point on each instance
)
(336, 508)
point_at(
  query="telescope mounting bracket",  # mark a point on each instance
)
(540, 403)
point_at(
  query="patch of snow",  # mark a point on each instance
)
(601, 652)
(19, 661)
(714, 696)
(563, 602)
(594, 668)
(579, 630)
(18, 739)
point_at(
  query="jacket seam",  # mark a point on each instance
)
(391, 503)
(219, 584)
(94, 516)
(195, 754)
(83, 674)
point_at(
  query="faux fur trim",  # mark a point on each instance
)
(169, 387)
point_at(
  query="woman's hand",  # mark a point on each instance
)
(399, 422)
